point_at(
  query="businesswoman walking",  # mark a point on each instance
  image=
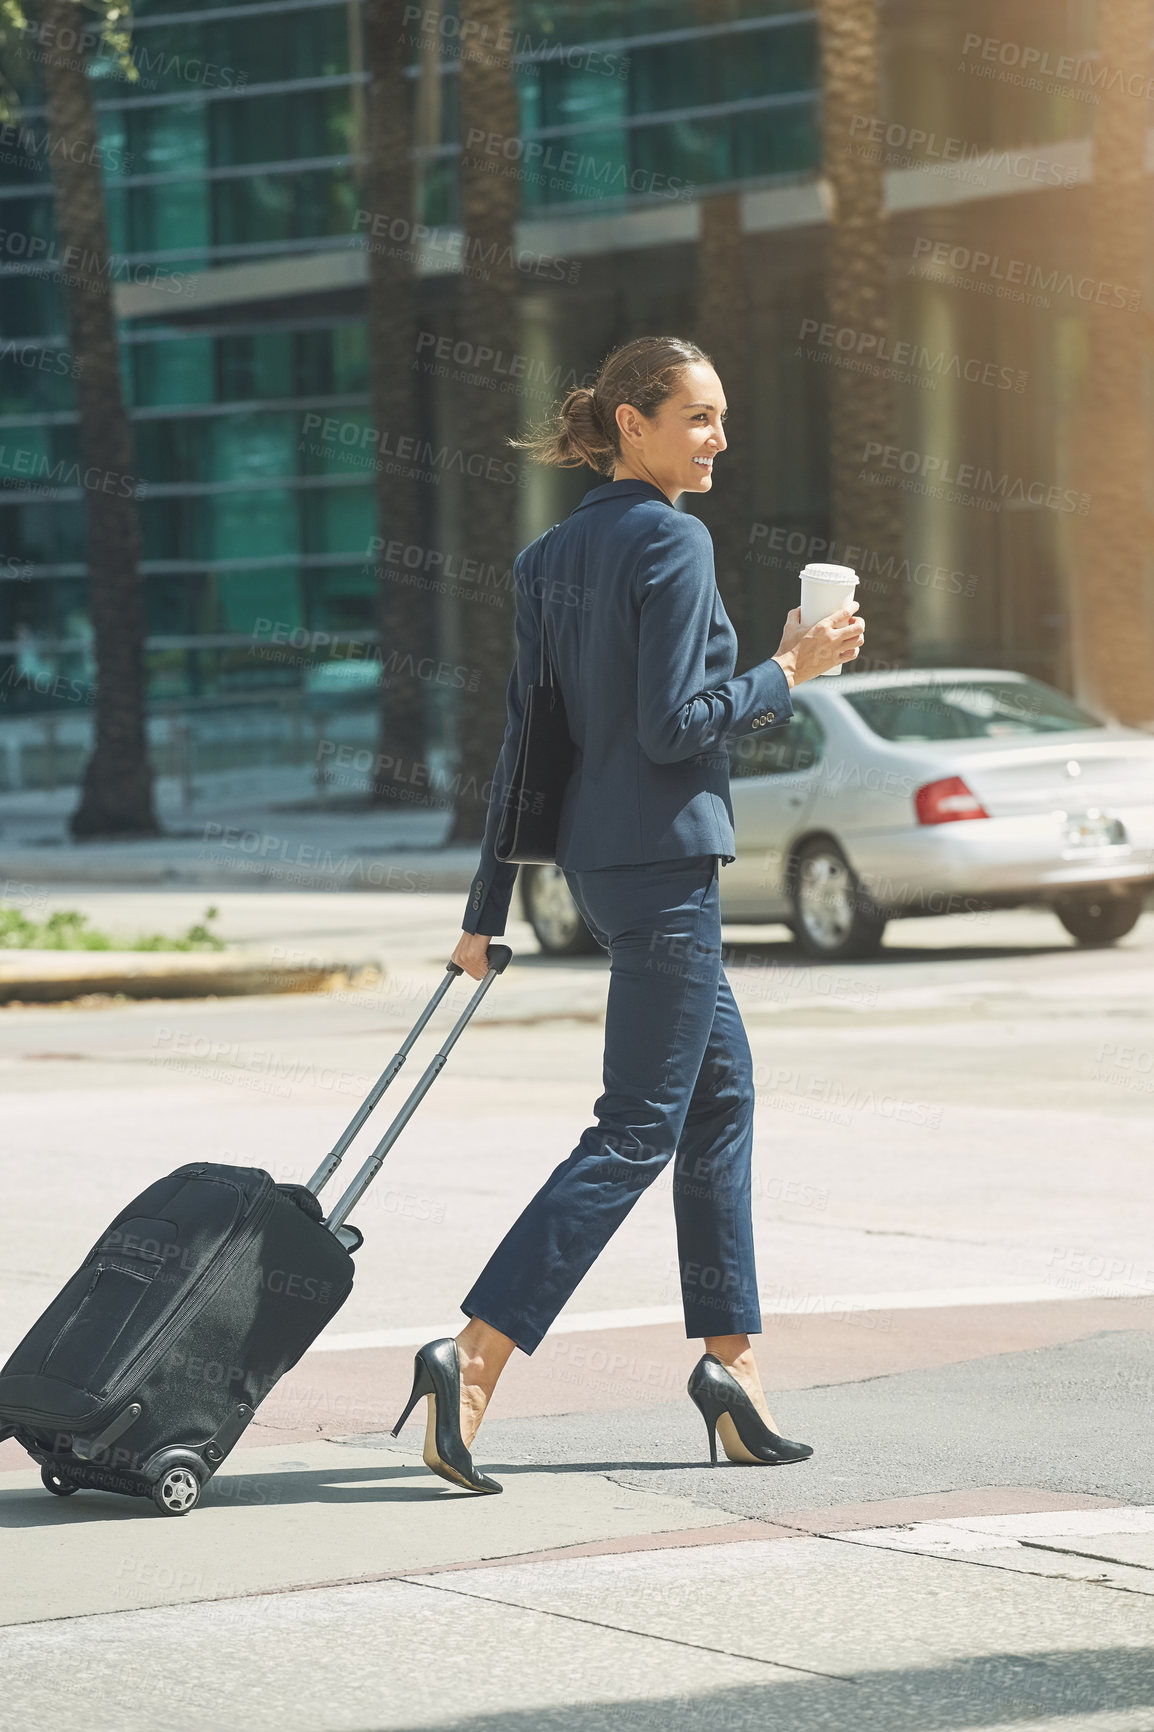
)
(644, 653)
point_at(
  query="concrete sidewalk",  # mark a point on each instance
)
(618, 1582)
(234, 842)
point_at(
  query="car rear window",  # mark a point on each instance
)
(968, 710)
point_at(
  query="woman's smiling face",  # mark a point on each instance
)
(675, 448)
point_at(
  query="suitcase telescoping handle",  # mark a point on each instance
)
(499, 956)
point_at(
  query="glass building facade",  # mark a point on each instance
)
(233, 168)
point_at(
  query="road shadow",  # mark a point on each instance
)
(784, 951)
(1050, 1686)
(390, 1483)
(791, 956)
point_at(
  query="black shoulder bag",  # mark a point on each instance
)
(527, 833)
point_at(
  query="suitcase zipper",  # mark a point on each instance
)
(184, 1313)
(148, 1357)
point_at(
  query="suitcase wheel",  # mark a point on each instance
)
(56, 1483)
(176, 1492)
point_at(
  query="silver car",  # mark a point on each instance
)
(926, 791)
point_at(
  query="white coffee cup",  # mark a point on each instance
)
(825, 589)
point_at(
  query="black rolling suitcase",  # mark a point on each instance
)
(141, 1376)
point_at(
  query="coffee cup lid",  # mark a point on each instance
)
(831, 573)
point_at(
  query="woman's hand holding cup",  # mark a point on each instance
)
(806, 651)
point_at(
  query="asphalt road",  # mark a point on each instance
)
(953, 1221)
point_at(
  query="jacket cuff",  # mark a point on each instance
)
(490, 894)
(773, 696)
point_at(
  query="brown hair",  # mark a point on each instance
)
(584, 429)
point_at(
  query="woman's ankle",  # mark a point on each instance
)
(731, 1350)
(482, 1352)
(736, 1354)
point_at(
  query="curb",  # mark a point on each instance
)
(54, 976)
(402, 872)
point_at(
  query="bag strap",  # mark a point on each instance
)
(541, 670)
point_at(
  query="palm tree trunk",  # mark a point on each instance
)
(863, 512)
(404, 613)
(116, 794)
(489, 316)
(1113, 623)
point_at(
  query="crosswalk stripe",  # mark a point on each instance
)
(780, 1304)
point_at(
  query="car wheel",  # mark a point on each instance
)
(553, 914)
(1099, 917)
(834, 919)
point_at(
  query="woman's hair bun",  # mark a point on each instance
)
(583, 429)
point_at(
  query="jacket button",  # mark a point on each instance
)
(769, 718)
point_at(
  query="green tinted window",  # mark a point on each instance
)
(341, 598)
(338, 519)
(257, 447)
(33, 456)
(251, 364)
(248, 525)
(168, 219)
(707, 69)
(593, 20)
(348, 365)
(34, 378)
(338, 442)
(244, 597)
(275, 443)
(169, 139)
(172, 372)
(52, 607)
(177, 606)
(168, 529)
(257, 366)
(688, 154)
(774, 141)
(175, 215)
(280, 128)
(282, 207)
(44, 532)
(26, 225)
(558, 95)
(230, 53)
(241, 522)
(34, 307)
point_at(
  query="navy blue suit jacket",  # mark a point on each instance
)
(644, 652)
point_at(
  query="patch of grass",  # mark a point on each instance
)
(68, 929)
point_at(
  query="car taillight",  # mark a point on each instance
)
(946, 801)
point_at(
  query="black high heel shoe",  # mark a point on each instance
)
(437, 1374)
(726, 1407)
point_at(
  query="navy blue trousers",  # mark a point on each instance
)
(678, 1081)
